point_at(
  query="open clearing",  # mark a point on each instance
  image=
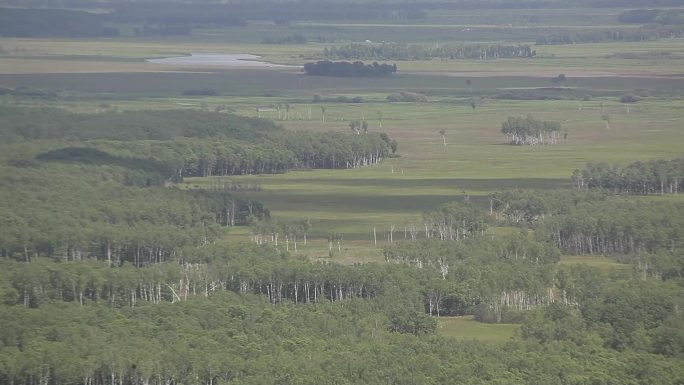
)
(467, 328)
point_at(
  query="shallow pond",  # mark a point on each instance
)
(215, 59)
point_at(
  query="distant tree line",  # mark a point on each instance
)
(659, 16)
(651, 32)
(408, 97)
(26, 124)
(337, 99)
(399, 51)
(347, 69)
(279, 154)
(18, 22)
(290, 39)
(638, 178)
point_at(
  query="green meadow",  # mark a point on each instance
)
(476, 161)
(467, 328)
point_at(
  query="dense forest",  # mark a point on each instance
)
(99, 235)
(95, 184)
(163, 246)
(395, 51)
(248, 314)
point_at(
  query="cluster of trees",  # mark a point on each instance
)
(530, 131)
(408, 97)
(617, 227)
(398, 51)
(528, 208)
(347, 69)
(586, 222)
(638, 178)
(650, 32)
(454, 221)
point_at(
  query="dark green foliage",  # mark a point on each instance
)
(396, 51)
(347, 69)
(17, 22)
(618, 226)
(524, 207)
(638, 178)
(629, 98)
(177, 144)
(31, 124)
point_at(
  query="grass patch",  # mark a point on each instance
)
(602, 263)
(466, 328)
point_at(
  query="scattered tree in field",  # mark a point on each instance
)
(443, 134)
(559, 80)
(606, 119)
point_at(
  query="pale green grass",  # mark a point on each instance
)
(602, 263)
(477, 162)
(466, 328)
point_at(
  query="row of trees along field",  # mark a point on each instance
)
(638, 178)
(599, 223)
(347, 69)
(530, 131)
(399, 51)
(645, 33)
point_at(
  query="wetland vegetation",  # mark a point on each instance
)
(189, 224)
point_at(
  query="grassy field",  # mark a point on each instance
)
(466, 328)
(602, 263)
(476, 162)
(97, 74)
